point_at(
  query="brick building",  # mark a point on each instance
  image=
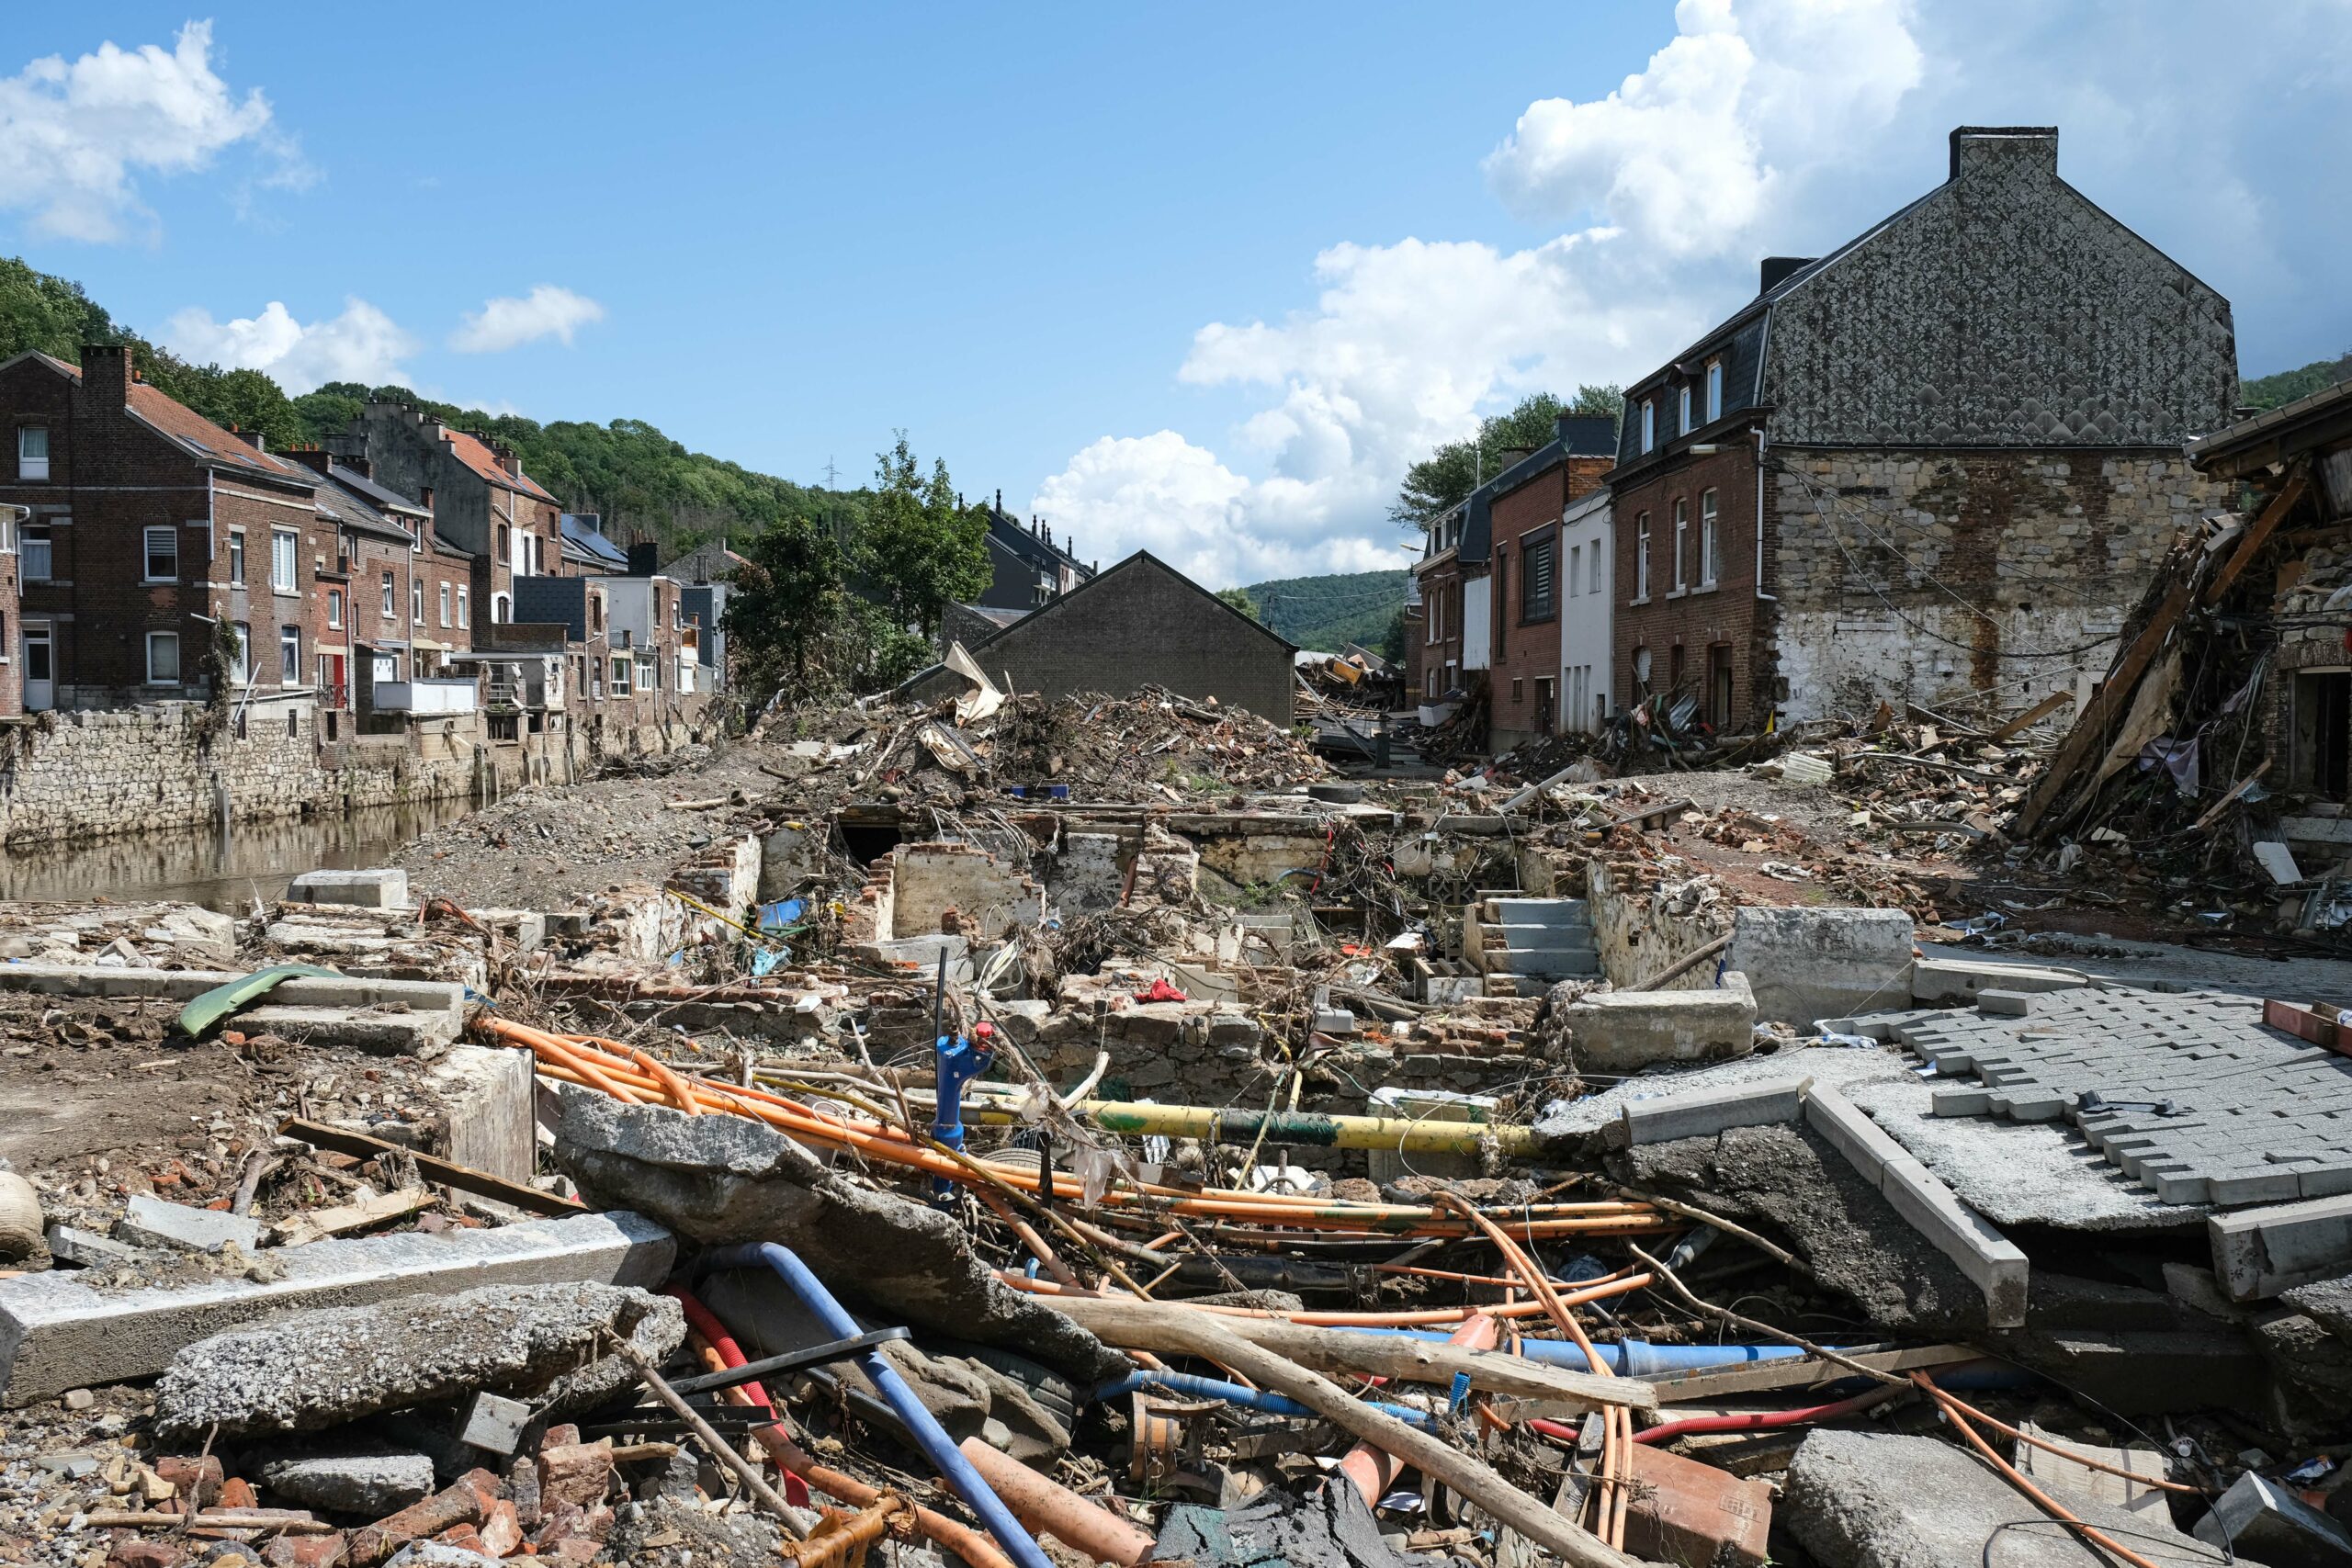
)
(484, 503)
(1526, 577)
(162, 553)
(1939, 463)
(1140, 623)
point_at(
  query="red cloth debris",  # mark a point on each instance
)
(1161, 991)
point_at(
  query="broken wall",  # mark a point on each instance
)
(988, 896)
(1641, 928)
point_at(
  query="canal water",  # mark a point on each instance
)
(254, 860)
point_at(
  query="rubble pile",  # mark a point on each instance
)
(1185, 1157)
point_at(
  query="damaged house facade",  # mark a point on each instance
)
(1938, 464)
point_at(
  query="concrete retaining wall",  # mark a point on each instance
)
(1641, 931)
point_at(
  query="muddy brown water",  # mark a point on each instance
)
(221, 872)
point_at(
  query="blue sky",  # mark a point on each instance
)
(1200, 279)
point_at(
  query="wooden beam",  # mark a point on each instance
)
(1800, 1371)
(465, 1179)
(2235, 790)
(1169, 1326)
(2033, 715)
(2090, 730)
(2251, 544)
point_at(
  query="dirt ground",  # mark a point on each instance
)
(549, 847)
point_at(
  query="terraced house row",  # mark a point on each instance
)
(406, 584)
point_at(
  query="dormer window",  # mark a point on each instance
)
(1686, 426)
(1649, 424)
(1714, 391)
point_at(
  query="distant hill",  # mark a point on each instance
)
(2274, 391)
(1325, 613)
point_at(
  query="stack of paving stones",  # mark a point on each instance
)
(2202, 1102)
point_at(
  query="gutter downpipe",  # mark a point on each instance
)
(922, 1425)
(1757, 431)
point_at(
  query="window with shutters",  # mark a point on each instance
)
(163, 556)
(1539, 578)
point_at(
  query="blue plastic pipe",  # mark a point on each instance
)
(924, 1428)
(1639, 1357)
(1233, 1393)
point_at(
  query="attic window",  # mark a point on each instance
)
(1686, 426)
(1649, 424)
(1714, 391)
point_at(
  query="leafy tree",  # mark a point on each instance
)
(921, 552)
(785, 617)
(1240, 599)
(2276, 391)
(1445, 478)
(1391, 646)
(1327, 612)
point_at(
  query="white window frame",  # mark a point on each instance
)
(444, 606)
(285, 560)
(1682, 538)
(1642, 558)
(169, 536)
(31, 469)
(1710, 540)
(1714, 391)
(236, 558)
(1649, 424)
(289, 656)
(416, 601)
(334, 609)
(36, 556)
(1576, 571)
(1687, 426)
(390, 598)
(501, 609)
(620, 678)
(464, 610)
(160, 639)
(241, 642)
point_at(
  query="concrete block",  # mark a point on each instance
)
(152, 1222)
(495, 1422)
(2003, 1004)
(2261, 1520)
(368, 1485)
(1707, 1112)
(1626, 1030)
(1806, 963)
(375, 1033)
(1990, 1260)
(57, 1333)
(488, 1092)
(375, 889)
(89, 1250)
(1956, 981)
(2260, 1252)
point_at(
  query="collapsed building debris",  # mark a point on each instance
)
(1024, 1131)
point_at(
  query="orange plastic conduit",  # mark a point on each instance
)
(2042, 1500)
(1426, 1317)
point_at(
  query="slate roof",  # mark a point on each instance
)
(381, 497)
(590, 543)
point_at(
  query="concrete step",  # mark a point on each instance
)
(1542, 939)
(1551, 966)
(1538, 911)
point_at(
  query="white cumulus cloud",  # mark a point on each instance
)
(75, 135)
(1406, 344)
(1683, 155)
(508, 322)
(361, 344)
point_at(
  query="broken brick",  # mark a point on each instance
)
(576, 1472)
(305, 1551)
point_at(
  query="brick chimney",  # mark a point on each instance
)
(315, 458)
(1777, 269)
(252, 438)
(107, 371)
(425, 497)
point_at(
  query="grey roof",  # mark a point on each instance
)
(379, 496)
(2315, 419)
(591, 542)
(356, 511)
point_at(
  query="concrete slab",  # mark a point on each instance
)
(151, 1222)
(1807, 964)
(1890, 1500)
(1702, 1113)
(384, 888)
(378, 1032)
(1626, 1030)
(1956, 981)
(2260, 1252)
(58, 1333)
(1995, 1264)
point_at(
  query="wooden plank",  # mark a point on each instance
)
(2033, 715)
(465, 1179)
(2260, 535)
(2236, 790)
(2090, 730)
(1168, 1325)
(1801, 1371)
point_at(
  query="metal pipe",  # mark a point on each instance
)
(1290, 1129)
(921, 1425)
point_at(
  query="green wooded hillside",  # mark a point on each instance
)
(1327, 613)
(2274, 391)
(644, 484)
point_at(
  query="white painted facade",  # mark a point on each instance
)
(1586, 628)
(1477, 621)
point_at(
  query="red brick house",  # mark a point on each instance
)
(161, 552)
(1525, 575)
(484, 503)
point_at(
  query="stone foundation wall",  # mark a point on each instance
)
(1942, 577)
(98, 773)
(1639, 928)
